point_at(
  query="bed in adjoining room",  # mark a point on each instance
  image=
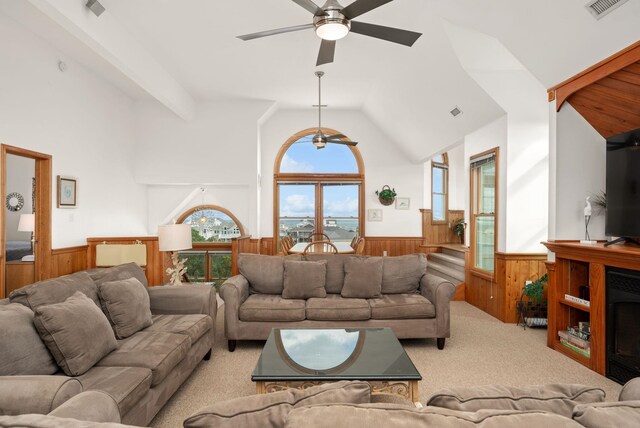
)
(16, 250)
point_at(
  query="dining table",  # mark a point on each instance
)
(343, 248)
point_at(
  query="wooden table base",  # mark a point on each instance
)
(406, 389)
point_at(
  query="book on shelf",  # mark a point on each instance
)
(585, 352)
(577, 300)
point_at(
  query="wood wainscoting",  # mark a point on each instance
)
(157, 261)
(440, 232)
(65, 261)
(498, 294)
(394, 246)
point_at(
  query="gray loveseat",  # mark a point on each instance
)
(39, 372)
(334, 291)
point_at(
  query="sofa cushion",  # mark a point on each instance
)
(22, 351)
(335, 270)
(158, 351)
(401, 274)
(195, 325)
(55, 290)
(362, 277)
(125, 302)
(304, 280)
(270, 410)
(555, 398)
(337, 308)
(396, 415)
(76, 333)
(115, 273)
(401, 306)
(263, 307)
(618, 414)
(264, 273)
(127, 385)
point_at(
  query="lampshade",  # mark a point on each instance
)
(174, 237)
(27, 223)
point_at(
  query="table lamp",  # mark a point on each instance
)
(27, 223)
(173, 238)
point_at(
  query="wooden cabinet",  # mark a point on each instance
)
(577, 266)
(18, 274)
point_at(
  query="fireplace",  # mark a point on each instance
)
(623, 324)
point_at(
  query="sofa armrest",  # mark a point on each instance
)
(35, 394)
(234, 292)
(183, 299)
(630, 391)
(91, 406)
(439, 291)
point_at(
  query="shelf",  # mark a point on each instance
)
(575, 305)
(586, 361)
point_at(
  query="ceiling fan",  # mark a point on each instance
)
(332, 22)
(319, 139)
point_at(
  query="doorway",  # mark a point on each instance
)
(31, 218)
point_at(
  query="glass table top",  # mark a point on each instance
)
(334, 354)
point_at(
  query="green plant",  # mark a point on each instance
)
(535, 290)
(386, 193)
(459, 226)
(600, 200)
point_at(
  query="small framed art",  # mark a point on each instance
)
(67, 192)
(403, 203)
(374, 215)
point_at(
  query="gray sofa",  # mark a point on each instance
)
(334, 291)
(41, 367)
(351, 404)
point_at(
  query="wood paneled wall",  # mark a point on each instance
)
(440, 233)
(156, 261)
(498, 294)
(68, 260)
(394, 246)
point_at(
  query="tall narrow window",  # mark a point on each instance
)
(483, 209)
(439, 188)
(318, 190)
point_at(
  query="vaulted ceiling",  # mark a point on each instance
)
(181, 52)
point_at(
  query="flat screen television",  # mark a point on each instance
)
(623, 186)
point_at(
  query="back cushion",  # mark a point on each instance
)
(264, 273)
(22, 352)
(335, 270)
(401, 274)
(126, 305)
(55, 290)
(116, 273)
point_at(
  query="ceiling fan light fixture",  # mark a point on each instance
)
(333, 29)
(319, 140)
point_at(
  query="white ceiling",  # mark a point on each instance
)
(406, 91)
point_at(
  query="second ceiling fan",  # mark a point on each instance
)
(332, 22)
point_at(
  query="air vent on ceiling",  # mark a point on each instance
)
(455, 112)
(600, 8)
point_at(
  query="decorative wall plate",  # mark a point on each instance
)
(14, 201)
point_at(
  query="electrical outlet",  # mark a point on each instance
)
(384, 253)
(528, 282)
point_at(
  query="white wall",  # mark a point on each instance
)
(384, 164)
(579, 172)
(19, 174)
(216, 149)
(84, 123)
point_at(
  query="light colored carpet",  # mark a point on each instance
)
(481, 350)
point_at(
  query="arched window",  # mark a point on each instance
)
(439, 188)
(318, 190)
(212, 228)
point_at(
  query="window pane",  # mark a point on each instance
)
(485, 231)
(220, 265)
(212, 226)
(487, 183)
(195, 265)
(303, 157)
(438, 159)
(297, 208)
(437, 181)
(340, 210)
(438, 210)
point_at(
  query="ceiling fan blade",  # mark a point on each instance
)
(257, 35)
(327, 50)
(345, 143)
(311, 7)
(395, 35)
(336, 137)
(359, 7)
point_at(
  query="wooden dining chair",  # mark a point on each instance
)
(286, 243)
(318, 236)
(360, 247)
(354, 241)
(322, 247)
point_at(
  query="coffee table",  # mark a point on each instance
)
(300, 358)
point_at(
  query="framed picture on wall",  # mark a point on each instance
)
(67, 192)
(403, 203)
(374, 215)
